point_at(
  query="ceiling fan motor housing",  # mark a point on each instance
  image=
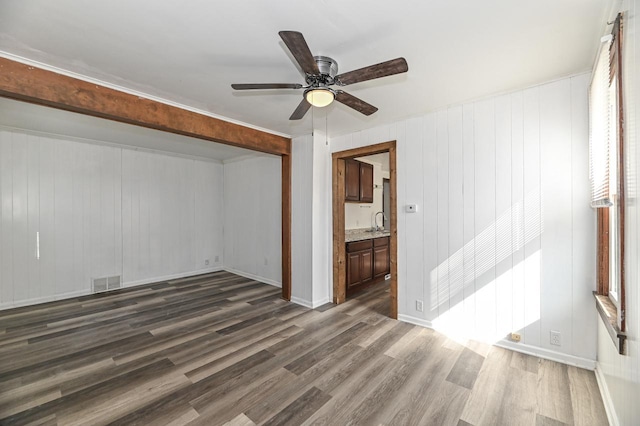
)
(326, 65)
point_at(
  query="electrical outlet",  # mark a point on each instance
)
(419, 306)
(206, 262)
(217, 259)
(516, 337)
(555, 338)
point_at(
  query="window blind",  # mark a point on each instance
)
(600, 129)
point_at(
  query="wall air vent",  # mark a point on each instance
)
(105, 283)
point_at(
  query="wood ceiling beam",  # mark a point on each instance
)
(39, 86)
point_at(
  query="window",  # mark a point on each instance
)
(606, 172)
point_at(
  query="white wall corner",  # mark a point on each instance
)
(253, 277)
(606, 396)
(308, 303)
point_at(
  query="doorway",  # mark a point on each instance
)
(339, 245)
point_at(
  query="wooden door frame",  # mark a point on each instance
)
(39, 86)
(339, 246)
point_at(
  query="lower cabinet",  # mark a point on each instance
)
(381, 258)
(368, 261)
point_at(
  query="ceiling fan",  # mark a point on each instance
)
(321, 72)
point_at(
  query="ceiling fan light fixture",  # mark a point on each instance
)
(319, 97)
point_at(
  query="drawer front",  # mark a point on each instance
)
(378, 242)
(359, 245)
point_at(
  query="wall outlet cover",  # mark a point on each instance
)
(555, 338)
(419, 306)
(206, 262)
(516, 337)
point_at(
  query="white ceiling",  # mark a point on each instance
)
(382, 159)
(190, 52)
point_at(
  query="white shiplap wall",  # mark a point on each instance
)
(101, 211)
(311, 243)
(252, 218)
(172, 216)
(503, 240)
(619, 375)
(301, 229)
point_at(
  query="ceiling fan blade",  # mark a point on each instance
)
(355, 103)
(300, 50)
(384, 69)
(266, 86)
(301, 110)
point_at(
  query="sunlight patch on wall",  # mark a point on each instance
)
(512, 230)
(481, 291)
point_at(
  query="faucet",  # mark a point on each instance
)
(375, 221)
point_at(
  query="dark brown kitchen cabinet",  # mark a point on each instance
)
(381, 260)
(359, 264)
(359, 268)
(352, 180)
(366, 183)
(367, 263)
(358, 182)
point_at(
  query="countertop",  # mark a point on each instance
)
(352, 235)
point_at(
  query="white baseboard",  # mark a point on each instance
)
(302, 302)
(586, 363)
(85, 292)
(576, 361)
(309, 304)
(415, 321)
(254, 277)
(44, 299)
(606, 397)
(171, 277)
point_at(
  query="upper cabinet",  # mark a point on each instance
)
(366, 183)
(352, 180)
(358, 182)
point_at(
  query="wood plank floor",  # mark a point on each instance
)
(222, 349)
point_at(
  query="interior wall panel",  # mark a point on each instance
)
(517, 211)
(301, 199)
(100, 211)
(170, 209)
(583, 231)
(415, 221)
(252, 212)
(503, 201)
(456, 212)
(441, 270)
(34, 283)
(503, 219)
(468, 225)
(485, 216)
(532, 225)
(429, 238)
(555, 243)
(20, 210)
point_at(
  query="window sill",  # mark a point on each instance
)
(609, 315)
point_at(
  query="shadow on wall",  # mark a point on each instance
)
(502, 262)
